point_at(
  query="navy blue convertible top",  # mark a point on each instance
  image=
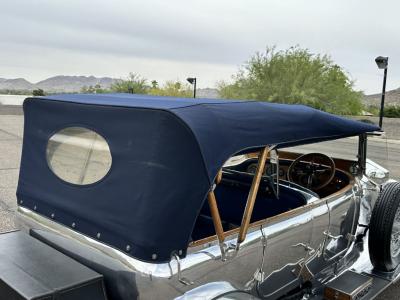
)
(165, 152)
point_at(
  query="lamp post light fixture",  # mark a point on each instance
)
(382, 63)
(192, 80)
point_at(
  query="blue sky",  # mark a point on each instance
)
(209, 39)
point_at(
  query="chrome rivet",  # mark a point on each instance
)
(22, 201)
(35, 208)
(98, 235)
(154, 256)
(52, 215)
(128, 248)
(73, 225)
(180, 252)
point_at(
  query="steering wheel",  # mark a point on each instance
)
(313, 171)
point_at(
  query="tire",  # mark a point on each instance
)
(385, 255)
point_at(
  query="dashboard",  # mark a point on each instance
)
(340, 180)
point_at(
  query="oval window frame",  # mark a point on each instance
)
(87, 128)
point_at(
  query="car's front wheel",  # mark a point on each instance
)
(384, 234)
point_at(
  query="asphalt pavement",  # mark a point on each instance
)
(383, 151)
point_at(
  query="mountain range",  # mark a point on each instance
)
(68, 84)
(56, 84)
(391, 98)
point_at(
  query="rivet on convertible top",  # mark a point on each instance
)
(52, 215)
(73, 225)
(98, 235)
(154, 256)
(128, 248)
(22, 201)
(35, 208)
(180, 252)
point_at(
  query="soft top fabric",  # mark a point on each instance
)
(166, 153)
(135, 100)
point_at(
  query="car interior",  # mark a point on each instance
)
(232, 191)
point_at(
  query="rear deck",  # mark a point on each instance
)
(30, 269)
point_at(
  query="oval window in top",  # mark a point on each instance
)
(78, 155)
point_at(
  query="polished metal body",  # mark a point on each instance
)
(314, 242)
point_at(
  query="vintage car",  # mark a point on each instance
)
(169, 198)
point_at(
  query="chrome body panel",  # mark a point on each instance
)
(207, 291)
(297, 238)
(287, 239)
(161, 281)
(320, 215)
(343, 213)
(203, 264)
(376, 172)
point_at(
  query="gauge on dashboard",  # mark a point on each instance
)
(270, 170)
(251, 168)
(354, 168)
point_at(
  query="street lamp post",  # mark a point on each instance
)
(382, 63)
(193, 80)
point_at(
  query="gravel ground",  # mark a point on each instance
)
(10, 153)
(10, 110)
(11, 128)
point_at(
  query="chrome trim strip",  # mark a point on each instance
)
(28, 219)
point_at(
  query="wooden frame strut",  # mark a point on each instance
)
(251, 198)
(212, 202)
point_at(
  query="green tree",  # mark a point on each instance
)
(391, 111)
(96, 89)
(154, 84)
(38, 92)
(173, 89)
(87, 89)
(295, 76)
(134, 84)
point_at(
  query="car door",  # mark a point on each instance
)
(343, 214)
(334, 223)
(288, 237)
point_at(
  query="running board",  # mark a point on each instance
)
(348, 286)
(354, 286)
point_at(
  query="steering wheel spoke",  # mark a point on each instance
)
(313, 171)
